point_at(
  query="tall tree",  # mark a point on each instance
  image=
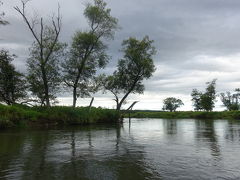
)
(205, 101)
(2, 21)
(231, 100)
(171, 104)
(51, 69)
(87, 52)
(209, 97)
(136, 66)
(12, 83)
(45, 45)
(196, 99)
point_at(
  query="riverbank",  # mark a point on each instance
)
(186, 115)
(24, 116)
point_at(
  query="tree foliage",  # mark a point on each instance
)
(40, 70)
(231, 101)
(12, 83)
(136, 66)
(205, 101)
(87, 52)
(101, 22)
(42, 56)
(171, 104)
(196, 99)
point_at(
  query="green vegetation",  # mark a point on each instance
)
(186, 114)
(12, 83)
(24, 116)
(54, 67)
(88, 50)
(135, 67)
(205, 100)
(231, 100)
(42, 64)
(171, 104)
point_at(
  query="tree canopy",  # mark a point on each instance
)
(205, 101)
(88, 52)
(231, 100)
(171, 104)
(40, 64)
(12, 83)
(135, 66)
(44, 72)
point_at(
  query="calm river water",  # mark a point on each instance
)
(144, 149)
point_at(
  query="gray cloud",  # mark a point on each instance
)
(196, 40)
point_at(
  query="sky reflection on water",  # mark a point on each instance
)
(143, 149)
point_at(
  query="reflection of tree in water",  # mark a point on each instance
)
(35, 161)
(233, 131)
(129, 162)
(77, 154)
(123, 162)
(10, 148)
(29, 156)
(170, 126)
(205, 132)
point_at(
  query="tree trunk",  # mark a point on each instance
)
(119, 105)
(118, 108)
(45, 83)
(90, 105)
(126, 95)
(74, 96)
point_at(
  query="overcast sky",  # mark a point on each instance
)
(196, 40)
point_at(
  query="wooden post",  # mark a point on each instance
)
(129, 110)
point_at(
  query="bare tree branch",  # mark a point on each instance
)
(45, 50)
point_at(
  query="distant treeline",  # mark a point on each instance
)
(205, 101)
(185, 114)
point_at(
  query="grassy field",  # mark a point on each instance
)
(23, 116)
(186, 114)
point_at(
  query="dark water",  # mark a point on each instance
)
(144, 149)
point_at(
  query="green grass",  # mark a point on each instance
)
(186, 115)
(23, 116)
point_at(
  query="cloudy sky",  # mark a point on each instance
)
(196, 41)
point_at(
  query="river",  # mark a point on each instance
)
(142, 149)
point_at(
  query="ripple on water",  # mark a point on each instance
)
(144, 149)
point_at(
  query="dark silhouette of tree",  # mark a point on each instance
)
(12, 83)
(136, 65)
(205, 101)
(171, 104)
(231, 101)
(51, 69)
(45, 45)
(196, 99)
(87, 52)
(209, 97)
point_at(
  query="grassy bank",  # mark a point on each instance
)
(186, 115)
(23, 116)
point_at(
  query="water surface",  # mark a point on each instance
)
(144, 149)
